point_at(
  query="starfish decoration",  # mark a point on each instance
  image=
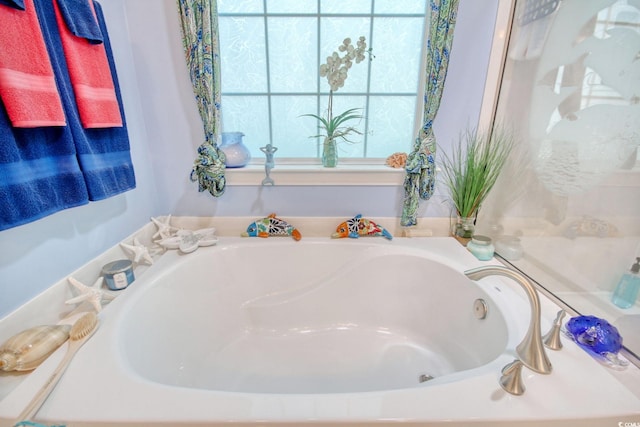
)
(188, 241)
(164, 228)
(138, 251)
(93, 294)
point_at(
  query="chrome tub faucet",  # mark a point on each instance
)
(531, 352)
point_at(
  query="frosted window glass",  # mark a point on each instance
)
(397, 64)
(286, 72)
(292, 6)
(391, 121)
(292, 51)
(400, 6)
(242, 52)
(351, 150)
(290, 131)
(249, 115)
(243, 6)
(342, 6)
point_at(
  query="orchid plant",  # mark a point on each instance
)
(336, 71)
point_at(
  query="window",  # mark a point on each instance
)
(271, 51)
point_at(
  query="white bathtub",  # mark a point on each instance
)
(308, 318)
(323, 331)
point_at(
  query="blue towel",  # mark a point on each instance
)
(79, 17)
(16, 4)
(32, 424)
(103, 153)
(39, 173)
(44, 170)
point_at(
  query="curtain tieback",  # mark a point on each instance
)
(208, 170)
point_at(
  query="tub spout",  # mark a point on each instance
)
(531, 350)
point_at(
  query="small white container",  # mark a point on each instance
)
(509, 248)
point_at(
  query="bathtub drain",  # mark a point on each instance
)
(424, 378)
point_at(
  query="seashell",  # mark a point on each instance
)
(397, 160)
(27, 349)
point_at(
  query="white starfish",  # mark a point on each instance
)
(164, 228)
(188, 241)
(139, 252)
(93, 294)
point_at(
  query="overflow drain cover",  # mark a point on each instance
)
(480, 308)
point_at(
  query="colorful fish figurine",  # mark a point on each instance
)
(271, 226)
(358, 226)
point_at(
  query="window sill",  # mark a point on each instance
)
(301, 174)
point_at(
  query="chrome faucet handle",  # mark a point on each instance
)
(511, 379)
(552, 339)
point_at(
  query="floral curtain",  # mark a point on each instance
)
(199, 23)
(419, 181)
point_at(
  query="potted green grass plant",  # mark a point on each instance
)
(471, 171)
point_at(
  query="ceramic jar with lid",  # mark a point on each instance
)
(481, 247)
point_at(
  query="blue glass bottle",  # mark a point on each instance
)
(626, 292)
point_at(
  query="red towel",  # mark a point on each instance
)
(27, 85)
(91, 78)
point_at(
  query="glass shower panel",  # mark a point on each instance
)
(567, 209)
